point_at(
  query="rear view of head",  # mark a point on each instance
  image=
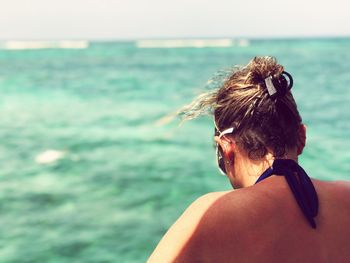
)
(262, 122)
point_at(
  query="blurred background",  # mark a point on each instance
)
(93, 169)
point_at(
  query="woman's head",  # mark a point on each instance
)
(262, 123)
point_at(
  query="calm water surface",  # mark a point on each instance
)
(122, 174)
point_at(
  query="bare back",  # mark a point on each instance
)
(263, 223)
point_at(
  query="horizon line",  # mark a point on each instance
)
(131, 39)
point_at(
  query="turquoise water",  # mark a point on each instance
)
(124, 175)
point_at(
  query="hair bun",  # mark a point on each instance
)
(261, 68)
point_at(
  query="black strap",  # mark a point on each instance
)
(300, 184)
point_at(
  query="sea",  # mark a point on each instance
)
(94, 165)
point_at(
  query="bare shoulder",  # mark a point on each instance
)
(212, 206)
(209, 198)
(339, 183)
(335, 189)
(221, 227)
(184, 228)
(206, 224)
(343, 185)
(200, 206)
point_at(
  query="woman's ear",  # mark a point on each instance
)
(226, 145)
(302, 139)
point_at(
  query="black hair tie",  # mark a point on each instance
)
(278, 87)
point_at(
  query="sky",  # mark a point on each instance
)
(150, 19)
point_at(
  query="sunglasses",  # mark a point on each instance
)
(219, 153)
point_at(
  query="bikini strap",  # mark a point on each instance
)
(300, 184)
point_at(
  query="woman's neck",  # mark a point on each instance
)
(247, 171)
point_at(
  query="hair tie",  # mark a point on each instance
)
(278, 87)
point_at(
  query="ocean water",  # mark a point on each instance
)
(92, 171)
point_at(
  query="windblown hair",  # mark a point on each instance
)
(261, 123)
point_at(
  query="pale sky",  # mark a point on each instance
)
(137, 19)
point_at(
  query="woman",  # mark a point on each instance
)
(277, 213)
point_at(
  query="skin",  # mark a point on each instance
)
(259, 223)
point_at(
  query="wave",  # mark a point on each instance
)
(49, 156)
(182, 43)
(63, 44)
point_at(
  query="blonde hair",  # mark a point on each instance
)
(260, 122)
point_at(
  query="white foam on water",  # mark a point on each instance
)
(243, 43)
(49, 156)
(182, 43)
(62, 44)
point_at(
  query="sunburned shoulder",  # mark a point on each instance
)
(179, 234)
(339, 188)
(197, 220)
(341, 191)
(345, 185)
(337, 183)
(221, 201)
(209, 198)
